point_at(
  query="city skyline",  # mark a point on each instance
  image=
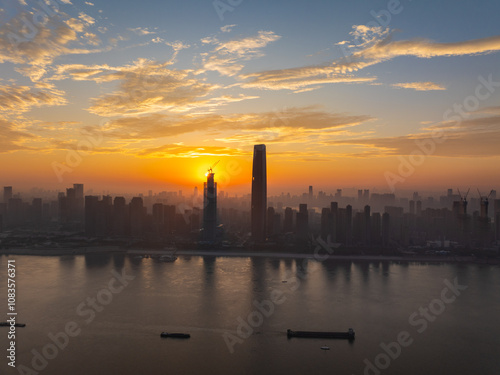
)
(279, 187)
(380, 95)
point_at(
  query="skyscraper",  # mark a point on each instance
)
(259, 193)
(7, 194)
(209, 208)
(80, 202)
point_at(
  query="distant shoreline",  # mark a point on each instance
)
(250, 254)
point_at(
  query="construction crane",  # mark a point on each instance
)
(213, 166)
(485, 197)
(463, 199)
(484, 203)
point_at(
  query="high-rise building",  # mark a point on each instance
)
(158, 218)
(326, 223)
(412, 207)
(169, 218)
(80, 202)
(270, 221)
(120, 216)
(7, 194)
(302, 222)
(288, 222)
(366, 195)
(209, 208)
(348, 232)
(91, 211)
(137, 216)
(259, 193)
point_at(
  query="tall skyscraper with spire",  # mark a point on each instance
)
(259, 193)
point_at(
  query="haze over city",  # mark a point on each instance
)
(394, 95)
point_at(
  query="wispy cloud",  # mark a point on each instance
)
(86, 18)
(374, 45)
(420, 86)
(302, 125)
(478, 136)
(227, 57)
(147, 86)
(15, 99)
(227, 28)
(181, 151)
(142, 31)
(12, 139)
(35, 48)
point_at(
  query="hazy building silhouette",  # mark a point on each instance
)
(194, 220)
(326, 223)
(158, 218)
(79, 201)
(15, 212)
(209, 208)
(169, 218)
(376, 229)
(419, 208)
(367, 226)
(366, 195)
(70, 209)
(288, 222)
(412, 207)
(137, 216)
(259, 193)
(270, 222)
(386, 229)
(334, 209)
(120, 216)
(302, 222)
(348, 232)
(36, 211)
(91, 212)
(7, 194)
(497, 226)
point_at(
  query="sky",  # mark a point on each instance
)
(138, 95)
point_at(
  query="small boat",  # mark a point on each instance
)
(176, 335)
(7, 324)
(167, 258)
(325, 348)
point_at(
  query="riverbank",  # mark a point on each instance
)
(250, 254)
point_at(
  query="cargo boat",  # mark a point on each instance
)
(349, 335)
(176, 335)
